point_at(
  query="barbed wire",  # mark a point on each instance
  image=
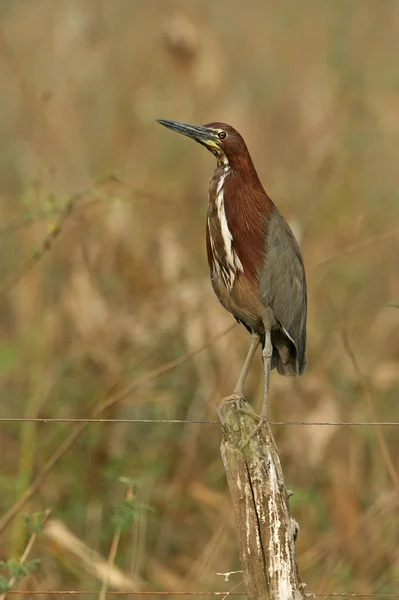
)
(188, 421)
(204, 593)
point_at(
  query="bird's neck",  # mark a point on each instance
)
(237, 210)
(222, 257)
(241, 163)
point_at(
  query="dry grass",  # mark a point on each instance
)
(123, 288)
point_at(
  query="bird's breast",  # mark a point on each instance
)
(223, 257)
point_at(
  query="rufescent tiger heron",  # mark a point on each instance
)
(256, 266)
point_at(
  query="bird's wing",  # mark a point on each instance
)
(283, 283)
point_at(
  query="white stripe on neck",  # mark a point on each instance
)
(234, 264)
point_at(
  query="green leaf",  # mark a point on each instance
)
(129, 481)
(32, 564)
(4, 585)
(393, 304)
(17, 570)
(34, 522)
(35, 251)
(125, 514)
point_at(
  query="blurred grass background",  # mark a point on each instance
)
(314, 89)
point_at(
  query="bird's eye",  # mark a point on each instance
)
(222, 135)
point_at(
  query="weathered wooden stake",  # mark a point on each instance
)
(266, 529)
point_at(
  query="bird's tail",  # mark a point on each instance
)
(286, 359)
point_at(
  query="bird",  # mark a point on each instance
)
(256, 267)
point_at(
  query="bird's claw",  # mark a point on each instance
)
(250, 413)
(261, 423)
(232, 398)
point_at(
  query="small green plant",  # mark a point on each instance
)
(35, 521)
(127, 512)
(15, 571)
(35, 251)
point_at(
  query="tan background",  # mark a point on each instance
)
(313, 87)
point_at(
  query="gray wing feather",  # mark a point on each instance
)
(283, 285)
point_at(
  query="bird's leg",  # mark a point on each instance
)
(239, 387)
(267, 359)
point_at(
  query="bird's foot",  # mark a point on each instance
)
(261, 422)
(234, 397)
(250, 413)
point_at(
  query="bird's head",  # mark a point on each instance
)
(219, 138)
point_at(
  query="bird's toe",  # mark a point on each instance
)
(232, 398)
(261, 423)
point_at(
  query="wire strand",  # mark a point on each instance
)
(180, 593)
(188, 421)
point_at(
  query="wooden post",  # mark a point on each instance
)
(266, 529)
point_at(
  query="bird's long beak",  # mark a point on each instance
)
(203, 135)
